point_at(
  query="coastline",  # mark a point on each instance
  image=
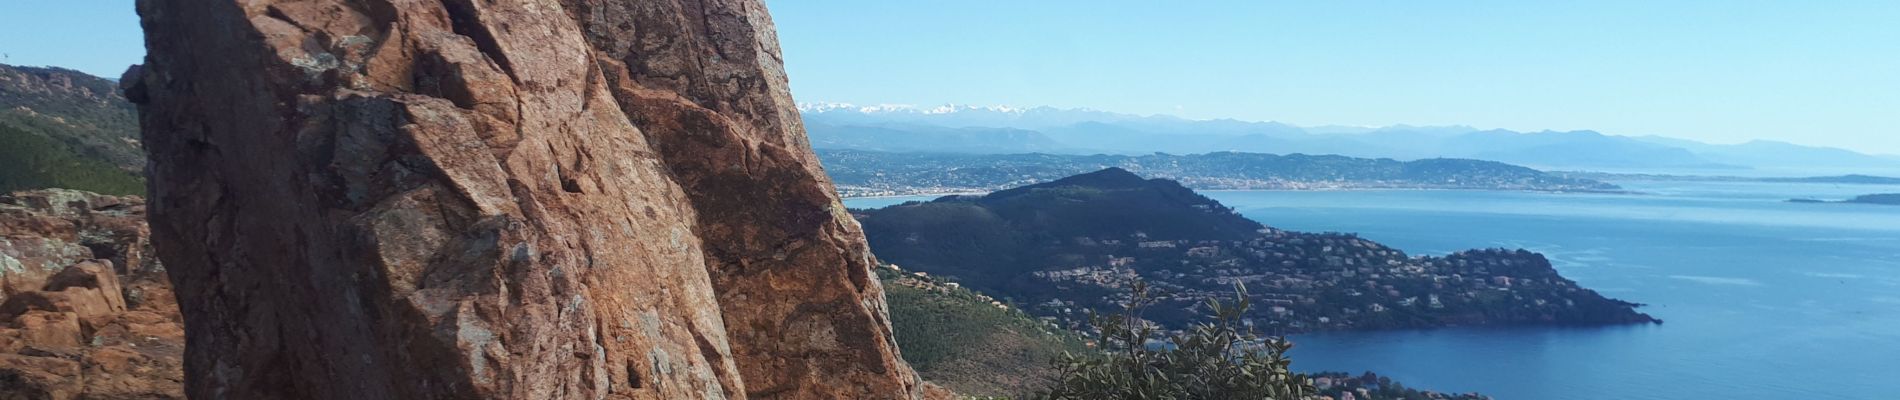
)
(886, 196)
(977, 192)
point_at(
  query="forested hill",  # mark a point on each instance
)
(63, 128)
(872, 173)
(1117, 202)
(1075, 244)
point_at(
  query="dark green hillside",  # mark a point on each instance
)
(1114, 201)
(85, 113)
(986, 239)
(63, 128)
(29, 160)
(965, 240)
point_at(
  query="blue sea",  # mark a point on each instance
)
(1763, 299)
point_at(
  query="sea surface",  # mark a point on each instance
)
(1762, 299)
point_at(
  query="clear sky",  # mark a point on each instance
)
(1812, 72)
(99, 37)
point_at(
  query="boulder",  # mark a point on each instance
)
(44, 231)
(91, 287)
(38, 378)
(89, 292)
(47, 330)
(75, 339)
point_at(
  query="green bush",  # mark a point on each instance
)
(1217, 360)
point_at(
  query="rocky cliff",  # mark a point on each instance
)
(499, 199)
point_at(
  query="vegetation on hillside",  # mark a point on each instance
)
(1218, 360)
(968, 342)
(30, 160)
(988, 240)
(984, 349)
(62, 128)
(85, 113)
(1371, 386)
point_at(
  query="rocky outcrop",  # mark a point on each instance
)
(44, 231)
(87, 330)
(499, 199)
(703, 81)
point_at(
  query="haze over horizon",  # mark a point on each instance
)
(941, 107)
(1811, 73)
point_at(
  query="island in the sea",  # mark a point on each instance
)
(1887, 199)
(1060, 249)
(860, 173)
(1852, 179)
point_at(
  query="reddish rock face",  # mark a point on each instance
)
(74, 339)
(791, 268)
(499, 199)
(87, 330)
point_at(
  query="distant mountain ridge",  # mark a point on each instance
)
(1850, 179)
(63, 128)
(1885, 199)
(102, 123)
(870, 173)
(1084, 131)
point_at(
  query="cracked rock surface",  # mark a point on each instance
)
(546, 199)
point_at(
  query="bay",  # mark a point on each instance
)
(1763, 299)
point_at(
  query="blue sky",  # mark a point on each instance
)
(99, 37)
(1811, 72)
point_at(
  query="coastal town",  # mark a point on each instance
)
(1302, 282)
(1113, 229)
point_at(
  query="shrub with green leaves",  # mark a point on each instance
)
(1223, 359)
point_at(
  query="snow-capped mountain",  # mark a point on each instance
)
(821, 107)
(1006, 129)
(961, 115)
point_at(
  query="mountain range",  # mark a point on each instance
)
(64, 128)
(859, 173)
(973, 129)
